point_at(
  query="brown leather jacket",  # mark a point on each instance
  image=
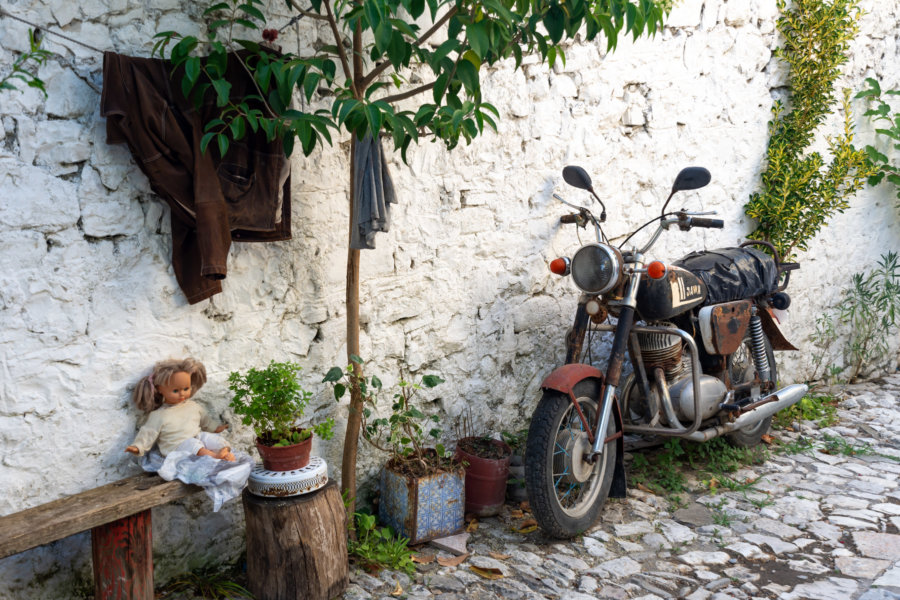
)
(244, 196)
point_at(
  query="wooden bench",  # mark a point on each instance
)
(118, 515)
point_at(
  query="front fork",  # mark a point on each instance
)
(617, 354)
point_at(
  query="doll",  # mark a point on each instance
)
(176, 422)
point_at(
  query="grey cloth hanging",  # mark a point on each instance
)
(373, 193)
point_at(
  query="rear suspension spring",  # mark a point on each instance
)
(760, 360)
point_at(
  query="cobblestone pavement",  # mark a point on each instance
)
(815, 525)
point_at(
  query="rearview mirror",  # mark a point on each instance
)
(577, 177)
(690, 178)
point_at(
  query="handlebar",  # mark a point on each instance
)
(709, 223)
(569, 218)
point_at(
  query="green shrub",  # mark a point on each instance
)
(799, 191)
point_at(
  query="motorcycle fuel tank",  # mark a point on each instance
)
(677, 292)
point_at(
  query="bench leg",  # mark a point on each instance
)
(122, 553)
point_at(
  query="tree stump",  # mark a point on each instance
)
(297, 546)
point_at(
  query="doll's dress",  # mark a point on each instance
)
(220, 479)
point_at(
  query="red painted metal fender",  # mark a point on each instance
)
(565, 377)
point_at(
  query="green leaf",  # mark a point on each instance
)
(355, 359)
(222, 141)
(333, 374)
(468, 74)
(253, 12)
(477, 35)
(205, 140)
(555, 22)
(339, 390)
(431, 381)
(215, 7)
(223, 91)
(374, 118)
(238, 128)
(192, 70)
(383, 35)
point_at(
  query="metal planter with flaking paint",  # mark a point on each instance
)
(422, 508)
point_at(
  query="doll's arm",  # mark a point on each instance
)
(207, 423)
(145, 439)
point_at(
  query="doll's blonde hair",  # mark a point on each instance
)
(147, 397)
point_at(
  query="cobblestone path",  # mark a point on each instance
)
(816, 525)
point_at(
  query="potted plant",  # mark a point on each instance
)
(486, 461)
(271, 400)
(422, 486)
(515, 485)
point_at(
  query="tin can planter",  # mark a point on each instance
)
(487, 469)
(422, 508)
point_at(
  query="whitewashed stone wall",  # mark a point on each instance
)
(88, 299)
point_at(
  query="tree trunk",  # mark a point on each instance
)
(354, 419)
(297, 546)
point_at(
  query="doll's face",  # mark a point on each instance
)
(177, 389)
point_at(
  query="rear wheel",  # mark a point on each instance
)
(566, 493)
(742, 370)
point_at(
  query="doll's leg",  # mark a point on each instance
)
(215, 445)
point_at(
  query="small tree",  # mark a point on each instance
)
(799, 191)
(381, 56)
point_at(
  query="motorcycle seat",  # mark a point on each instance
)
(732, 273)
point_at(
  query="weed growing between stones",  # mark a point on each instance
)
(214, 582)
(374, 547)
(821, 408)
(663, 470)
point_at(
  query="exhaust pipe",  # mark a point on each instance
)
(765, 407)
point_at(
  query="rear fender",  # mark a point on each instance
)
(773, 332)
(563, 380)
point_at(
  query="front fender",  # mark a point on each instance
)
(563, 380)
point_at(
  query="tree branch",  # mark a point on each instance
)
(368, 79)
(311, 15)
(345, 64)
(408, 93)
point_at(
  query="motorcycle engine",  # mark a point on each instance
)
(662, 350)
(665, 351)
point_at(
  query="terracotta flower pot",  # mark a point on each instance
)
(485, 477)
(285, 458)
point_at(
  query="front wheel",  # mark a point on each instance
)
(566, 493)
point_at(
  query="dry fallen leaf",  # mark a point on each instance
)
(472, 527)
(524, 505)
(453, 561)
(487, 572)
(498, 556)
(517, 514)
(767, 439)
(423, 559)
(398, 591)
(528, 523)
(644, 488)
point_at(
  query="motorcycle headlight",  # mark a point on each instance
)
(596, 268)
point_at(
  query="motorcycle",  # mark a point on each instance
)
(699, 335)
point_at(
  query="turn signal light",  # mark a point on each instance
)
(656, 270)
(560, 266)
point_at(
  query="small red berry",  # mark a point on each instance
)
(270, 35)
